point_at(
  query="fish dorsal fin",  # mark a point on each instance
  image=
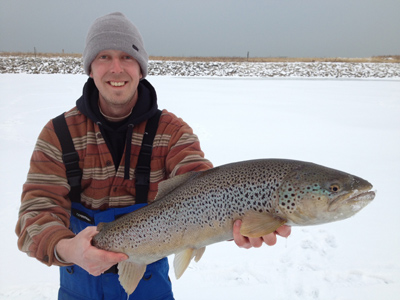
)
(167, 186)
(130, 274)
(183, 258)
(256, 224)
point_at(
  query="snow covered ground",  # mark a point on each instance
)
(350, 125)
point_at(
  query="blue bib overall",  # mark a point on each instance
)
(76, 283)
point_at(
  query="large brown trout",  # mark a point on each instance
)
(197, 209)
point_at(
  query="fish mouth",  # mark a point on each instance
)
(357, 200)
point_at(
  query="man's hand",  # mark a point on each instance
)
(80, 251)
(269, 239)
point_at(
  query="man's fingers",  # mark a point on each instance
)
(240, 240)
(284, 231)
(97, 261)
(256, 242)
(102, 255)
(107, 257)
(270, 239)
(89, 232)
(102, 260)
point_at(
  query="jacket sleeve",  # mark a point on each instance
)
(184, 152)
(45, 209)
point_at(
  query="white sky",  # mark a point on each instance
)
(294, 28)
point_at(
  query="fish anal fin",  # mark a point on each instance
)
(167, 186)
(181, 261)
(256, 224)
(130, 274)
(183, 258)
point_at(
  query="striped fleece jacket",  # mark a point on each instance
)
(45, 207)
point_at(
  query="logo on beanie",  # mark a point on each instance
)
(136, 48)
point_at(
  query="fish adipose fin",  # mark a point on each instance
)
(183, 258)
(130, 274)
(256, 224)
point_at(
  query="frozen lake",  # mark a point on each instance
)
(350, 125)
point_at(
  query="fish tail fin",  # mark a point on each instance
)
(130, 274)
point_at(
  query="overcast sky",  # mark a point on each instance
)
(294, 28)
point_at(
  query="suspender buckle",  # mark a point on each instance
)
(74, 177)
(74, 173)
(70, 158)
(146, 149)
(142, 175)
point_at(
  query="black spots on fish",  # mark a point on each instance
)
(289, 204)
(289, 196)
(228, 190)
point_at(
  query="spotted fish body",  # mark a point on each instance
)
(197, 209)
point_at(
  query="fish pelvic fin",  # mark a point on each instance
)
(183, 258)
(256, 224)
(130, 274)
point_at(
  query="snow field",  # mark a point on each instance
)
(350, 125)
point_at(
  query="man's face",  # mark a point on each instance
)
(116, 75)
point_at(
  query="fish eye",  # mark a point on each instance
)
(334, 188)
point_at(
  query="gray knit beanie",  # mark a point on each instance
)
(114, 32)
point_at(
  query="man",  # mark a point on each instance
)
(107, 126)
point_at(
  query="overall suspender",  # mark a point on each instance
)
(71, 158)
(142, 170)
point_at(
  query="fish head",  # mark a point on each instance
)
(313, 194)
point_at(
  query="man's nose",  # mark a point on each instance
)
(116, 66)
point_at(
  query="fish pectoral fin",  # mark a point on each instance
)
(256, 224)
(130, 274)
(183, 258)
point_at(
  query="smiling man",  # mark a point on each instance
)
(116, 75)
(125, 146)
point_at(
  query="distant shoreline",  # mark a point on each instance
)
(158, 66)
(373, 59)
